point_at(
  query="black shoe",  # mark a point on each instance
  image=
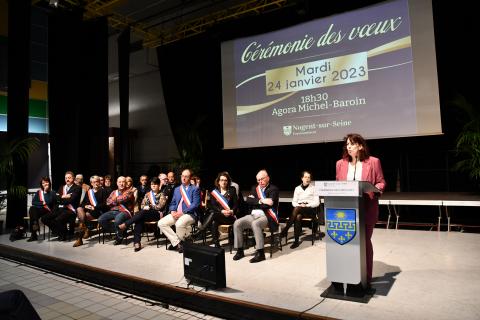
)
(137, 248)
(117, 241)
(217, 244)
(180, 248)
(172, 248)
(259, 256)
(295, 245)
(322, 235)
(239, 255)
(33, 237)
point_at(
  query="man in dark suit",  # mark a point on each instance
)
(263, 205)
(68, 198)
(184, 211)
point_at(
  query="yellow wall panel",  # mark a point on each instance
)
(39, 90)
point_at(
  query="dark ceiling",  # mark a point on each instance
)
(158, 22)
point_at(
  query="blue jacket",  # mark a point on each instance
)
(193, 193)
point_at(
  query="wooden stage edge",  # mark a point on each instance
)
(186, 298)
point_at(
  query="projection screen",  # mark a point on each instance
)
(370, 71)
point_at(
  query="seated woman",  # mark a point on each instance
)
(92, 207)
(152, 206)
(130, 185)
(42, 203)
(223, 206)
(304, 203)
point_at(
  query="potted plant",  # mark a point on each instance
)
(468, 141)
(17, 151)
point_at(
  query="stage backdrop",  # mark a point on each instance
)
(372, 70)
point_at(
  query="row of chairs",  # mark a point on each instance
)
(275, 240)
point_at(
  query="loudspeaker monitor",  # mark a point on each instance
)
(204, 265)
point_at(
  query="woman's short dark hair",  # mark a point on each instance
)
(223, 174)
(355, 138)
(155, 180)
(47, 179)
(306, 171)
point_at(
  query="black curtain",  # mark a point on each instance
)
(123, 42)
(78, 94)
(18, 86)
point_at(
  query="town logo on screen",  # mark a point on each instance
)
(287, 130)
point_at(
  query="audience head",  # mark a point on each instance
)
(69, 177)
(143, 180)
(171, 177)
(262, 178)
(306, 178)
(128, 181)
(95, 182)
(79, 179)
(45, 184)
(355, 146)
(101, 181)
(163, 179)
(155, 184)
(107, 181)
(121, 183)
(223, 180)
(186, 175)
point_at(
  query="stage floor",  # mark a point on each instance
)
(417, 274)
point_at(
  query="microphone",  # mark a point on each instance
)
(355, 169)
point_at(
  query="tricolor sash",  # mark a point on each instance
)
(69, 206)
(220, 199)
(42, 199)
(151, 197)
(183, 192)
(91, 197)
(121, 206)
(271, 213)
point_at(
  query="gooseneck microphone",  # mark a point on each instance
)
(355, 168)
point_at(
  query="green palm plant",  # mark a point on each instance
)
(11, 153)
(468, 141)
(190, 147)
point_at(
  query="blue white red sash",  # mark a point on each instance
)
(183, 192)
(69, 206)
(271, 213)
(121, 206)
(91, 197)
(42, 199)
(151, 197)
(220, 199)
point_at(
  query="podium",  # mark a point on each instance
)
(345, 236)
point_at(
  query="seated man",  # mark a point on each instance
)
(92, 207)
(262, 202)
(68, 199)
(183, 212)
(121, 203)
(151, 210)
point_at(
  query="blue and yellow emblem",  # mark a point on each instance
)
(341, 224)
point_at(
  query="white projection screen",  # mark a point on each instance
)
(371, 71)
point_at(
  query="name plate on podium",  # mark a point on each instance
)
(337, 188)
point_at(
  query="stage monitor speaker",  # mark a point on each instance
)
(204, 265)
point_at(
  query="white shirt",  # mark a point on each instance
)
(307, 195)
(357, 171)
